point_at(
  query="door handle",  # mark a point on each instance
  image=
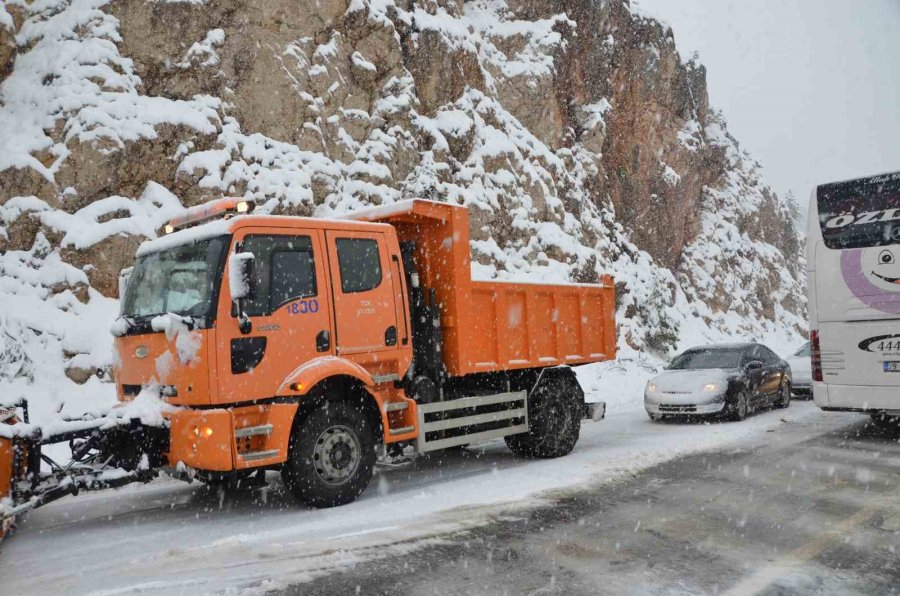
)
(390, 336)
(323, 341)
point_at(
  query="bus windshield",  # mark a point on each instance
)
(860, 213)
(180, 280)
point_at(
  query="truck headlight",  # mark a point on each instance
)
(710, 388)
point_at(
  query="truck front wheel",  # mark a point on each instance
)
(554, 418)
(331, 456)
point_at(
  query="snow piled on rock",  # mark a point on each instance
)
(534, 212)
(73, 71)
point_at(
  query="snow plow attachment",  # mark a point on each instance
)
(106, 452)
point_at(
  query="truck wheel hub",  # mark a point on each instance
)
(336, 455)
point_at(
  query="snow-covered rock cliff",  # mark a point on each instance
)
(571, 129)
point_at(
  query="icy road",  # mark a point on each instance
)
(796, 496)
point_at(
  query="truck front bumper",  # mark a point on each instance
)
(228, 439)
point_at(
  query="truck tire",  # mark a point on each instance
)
(554, 416)
(331, 456)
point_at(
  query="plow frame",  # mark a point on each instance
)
(90, 468)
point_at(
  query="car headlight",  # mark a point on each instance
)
(651, 387)
(710, 387)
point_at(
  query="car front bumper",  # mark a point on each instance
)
(663, 409)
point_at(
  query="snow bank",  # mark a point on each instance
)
(46, 327)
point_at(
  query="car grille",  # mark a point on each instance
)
(682, 409)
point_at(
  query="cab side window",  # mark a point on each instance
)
(284, 270)
(360, 264)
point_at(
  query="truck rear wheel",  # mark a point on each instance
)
(554, 417)
(331, 456)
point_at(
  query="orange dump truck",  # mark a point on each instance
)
(319, 348)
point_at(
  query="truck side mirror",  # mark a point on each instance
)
(241, 282)
(242, 285)
(124, 278)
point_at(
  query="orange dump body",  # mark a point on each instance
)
(491, 325)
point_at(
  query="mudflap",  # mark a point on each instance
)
(105, 453)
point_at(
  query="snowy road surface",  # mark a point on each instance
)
(801, 512)
(175, 538)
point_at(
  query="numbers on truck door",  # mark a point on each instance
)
(302, 307)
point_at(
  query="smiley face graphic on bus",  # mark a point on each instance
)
(881, 266)
(873, 276)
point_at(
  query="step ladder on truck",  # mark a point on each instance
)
(318, 347)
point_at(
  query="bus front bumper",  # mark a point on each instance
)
(857, 398)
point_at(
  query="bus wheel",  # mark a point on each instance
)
(554, 418)
(331, 456)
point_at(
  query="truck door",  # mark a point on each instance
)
(365, 312)
(290, 314)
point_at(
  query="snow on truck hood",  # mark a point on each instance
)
(690, 381)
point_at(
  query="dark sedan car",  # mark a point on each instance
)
(724, 380)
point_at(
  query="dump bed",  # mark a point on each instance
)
(490, 325)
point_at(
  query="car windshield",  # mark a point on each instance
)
(179, 280)
(708, 358)
(804, 351)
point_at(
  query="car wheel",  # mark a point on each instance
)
(740, 407)
(785, 400)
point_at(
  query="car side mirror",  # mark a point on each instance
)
(242, 285)
(754, 365)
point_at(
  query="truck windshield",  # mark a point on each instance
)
(708, 358)
(180, 280)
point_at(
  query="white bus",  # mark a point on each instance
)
(853, 259)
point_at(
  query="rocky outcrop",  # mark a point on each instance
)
(573, 130)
